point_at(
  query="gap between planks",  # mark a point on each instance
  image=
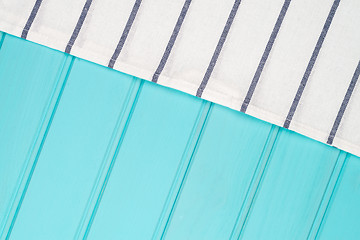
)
(36, 148)
(183, 170)
(255, 183)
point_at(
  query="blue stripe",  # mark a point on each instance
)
(218, 48)
(31, 19)
(125, 33)
(78, 26)
(344, 104)
(311, 64)
(265, 56)
(171, 41)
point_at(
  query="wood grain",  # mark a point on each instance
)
(89, 152)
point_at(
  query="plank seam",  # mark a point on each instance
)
(328, 189)
(33, 166)
(31, 151)
(107, 156)
(2, 39)
(208, 109)
(165, 213)
(256, 182)
(237, 221)
(113, 160)
(338, 180)
(3, 223)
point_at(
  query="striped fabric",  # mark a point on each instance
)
(294, 63)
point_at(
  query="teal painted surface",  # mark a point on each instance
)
(292, 188)
(73, 153)
(90, 153)
(341, 220)
(218, 177)
(28, 79)
(146, 164)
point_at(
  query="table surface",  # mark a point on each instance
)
(89, 152)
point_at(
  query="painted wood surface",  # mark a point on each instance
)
(91, 153)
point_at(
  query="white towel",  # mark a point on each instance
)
(294, 63)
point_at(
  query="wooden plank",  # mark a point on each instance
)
(108, 156)
(154, 148)
(290, 194)
(29, 77)
(327, 196)
(219, 177)
(342, 218)
(72, 156)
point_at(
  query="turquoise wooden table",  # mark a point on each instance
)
(91, 153)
